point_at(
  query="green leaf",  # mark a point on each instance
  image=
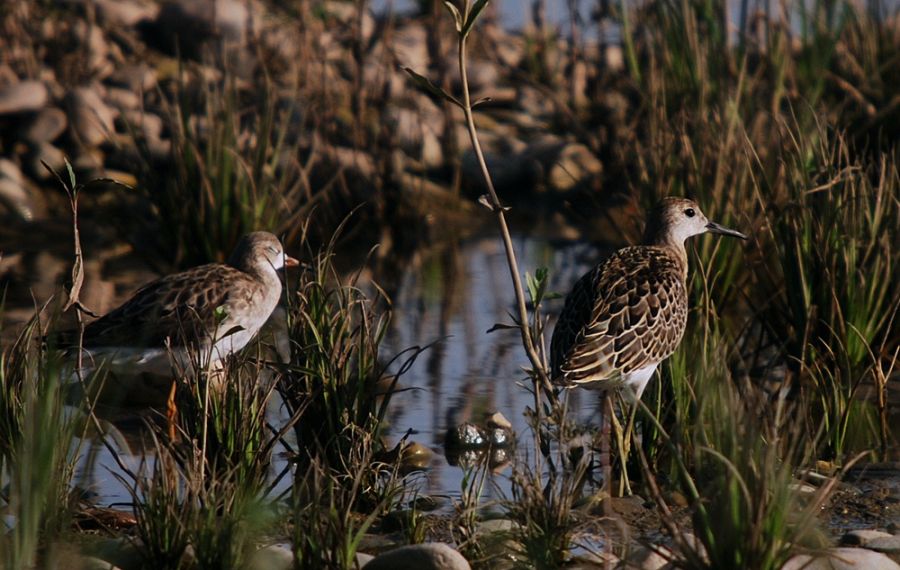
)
(537, 284)
(426, 84)
(532, 285)
(72, 184)
(220, 314)
(454, 11)
(473, 15)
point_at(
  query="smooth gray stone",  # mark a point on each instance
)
(429, 556)
(862, 537)
(842, 559)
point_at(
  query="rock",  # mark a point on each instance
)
(574, 165)
(13, 193)
(482, 74)
(94, 44)
(122, 99)
(411, 47)
(46, 152)
(362, 559)
(842, 559)
(126, 178)
(92, 563)
(125, 13)
(593, 561)
(45, 127)
(415, 456)
(613, 57)
(496, 525)
(418, 133)
(89, 160)
(886, 544)
(23, 97)
(466, 435)
(137, 78)
(144, 123)
(647, 559)
(429, 556)
(190, 23)
(273, 557)
(92, 120)
(862, 537)
(121, 552)
(347, 14)
(498, 420)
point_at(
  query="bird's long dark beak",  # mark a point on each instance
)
(715, 228)
(290, 261)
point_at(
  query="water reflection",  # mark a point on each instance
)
(454, 296)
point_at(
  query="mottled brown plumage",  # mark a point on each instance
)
(213, 310)
(629, 313)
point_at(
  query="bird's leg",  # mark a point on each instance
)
(623, 445)
(605, 452)
(172, 410)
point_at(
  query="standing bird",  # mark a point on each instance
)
(202, 315)
(628, 314)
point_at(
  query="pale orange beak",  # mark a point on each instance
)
(290, 261)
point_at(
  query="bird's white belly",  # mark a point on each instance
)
(636, 381)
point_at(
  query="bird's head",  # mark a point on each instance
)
(673, 220)
(259, 252)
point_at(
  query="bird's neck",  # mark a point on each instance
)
(263, 273)
(673, 246)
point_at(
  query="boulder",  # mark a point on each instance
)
(23, 97)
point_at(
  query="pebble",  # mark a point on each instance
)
(125, 13)
(13, 193)
(429, 556)
(46, 152)
(416, 456)
(122, 98)
(45, 127)
(273, 557)
(575, 165)
(887, 544)
(862, 537)
(842, 559)
(92, 563)
(95, 46)
(137, 78)
(23, 97)
(120, 552)
(92, 120)
(647, 559)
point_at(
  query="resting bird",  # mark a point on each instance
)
(199, 316)
(628, 314)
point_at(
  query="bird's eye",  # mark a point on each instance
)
(689, 212)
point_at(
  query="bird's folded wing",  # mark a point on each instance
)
(179, 309)
(635, 320)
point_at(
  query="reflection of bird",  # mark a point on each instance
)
(628, 314)
(201, 315)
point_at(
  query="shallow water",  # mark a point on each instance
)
(453, 298)
(450, 296)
